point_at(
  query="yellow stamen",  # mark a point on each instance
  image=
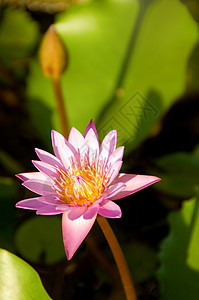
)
(82, 184)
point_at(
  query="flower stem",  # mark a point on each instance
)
(119, 258)
(60, 106)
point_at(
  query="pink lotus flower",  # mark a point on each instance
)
(80, 181)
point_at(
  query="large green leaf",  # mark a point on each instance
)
(97, 35)
(157, 70)
(18, 280)
(41, 238)
(179, 273)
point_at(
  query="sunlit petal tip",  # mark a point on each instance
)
(134, 183)
(76, 138)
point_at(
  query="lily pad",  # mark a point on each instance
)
(179, 272)
(18, 280)
(39, 239)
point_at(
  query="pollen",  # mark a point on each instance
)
(83, 183)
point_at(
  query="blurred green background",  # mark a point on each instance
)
(133, 66)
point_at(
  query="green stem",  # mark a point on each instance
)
(60, 106)
(119, 258)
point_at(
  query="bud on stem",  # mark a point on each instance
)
(52, 54)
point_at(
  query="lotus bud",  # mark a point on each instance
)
(53, 54)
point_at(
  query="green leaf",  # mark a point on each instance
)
(179, 173)
(18, 280)
(167, 34)
(96, 35)
(18, 35)
(40, 238)
(179, 273)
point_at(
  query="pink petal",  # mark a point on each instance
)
(76, 138)
(109, 209)
(46, 168)
(114, 189)
(108, 145)
(91, 125)
(116, 155)
(92, 211)
(31, 203)
(115, 170)
(39, 187)
(50, 199)
(92, 145)
(77, 212)
(133, 183)
(48, 158)
(64, 207)
(48, 210)
(74, 232)
(62, 148)
(32, 175)
(36, 204)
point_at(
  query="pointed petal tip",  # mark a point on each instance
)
(74, 232)
(156, 179)
(68, 255)
(37, 150)
(89, 126)
(134, 183)
(54, 133)
(22, 176)
(91, 123)
(19, 176)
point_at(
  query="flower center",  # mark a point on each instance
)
(82, 184)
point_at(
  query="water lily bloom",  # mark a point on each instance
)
(79, 182)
